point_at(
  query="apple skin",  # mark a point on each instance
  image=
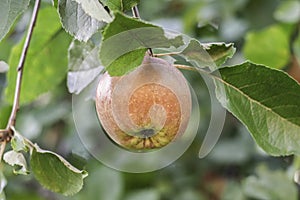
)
(145, 109)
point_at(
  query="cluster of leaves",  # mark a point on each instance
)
(244, 89)
(271, 119)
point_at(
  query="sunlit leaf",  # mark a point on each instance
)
(46, 61)
(9, 11)
(55, 173)
(269, 47)
(126, 39)
(266, 101)
(17, 160)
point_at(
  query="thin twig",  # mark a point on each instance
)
(166, 54)
(136, 14)
(16, 103)
(185, 67)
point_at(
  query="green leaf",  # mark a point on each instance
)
(9, 11)
(55, 3)
(270, 185)
(288, 11)
(269, 47)
(46, 61)
(17, 160)
(77, 21)
(5, 113)
(296, 48)
(266, 101)
(210, 54)
(84, 65)
(121, 5)
(126, 38)
(132, 60)
(95, 9)
(18, 143)
(55, 173)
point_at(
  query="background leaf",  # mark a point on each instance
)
(84, 65)
(269, 47)
(3, 69)
(9, 11)
(55, 173)
(102, 183)
(296, 48)
(46, 62)
(77, 21)
(126, 39)
(3, 183)
(269, 185)
(266, 101)
(145, 195)
(121, 5)
(288, 11)
(208, 55)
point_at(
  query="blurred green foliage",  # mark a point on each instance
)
(235, 169)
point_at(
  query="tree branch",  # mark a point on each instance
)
(8, 132)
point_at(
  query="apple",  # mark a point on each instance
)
(147, 108)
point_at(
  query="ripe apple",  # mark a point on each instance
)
(147, 108)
